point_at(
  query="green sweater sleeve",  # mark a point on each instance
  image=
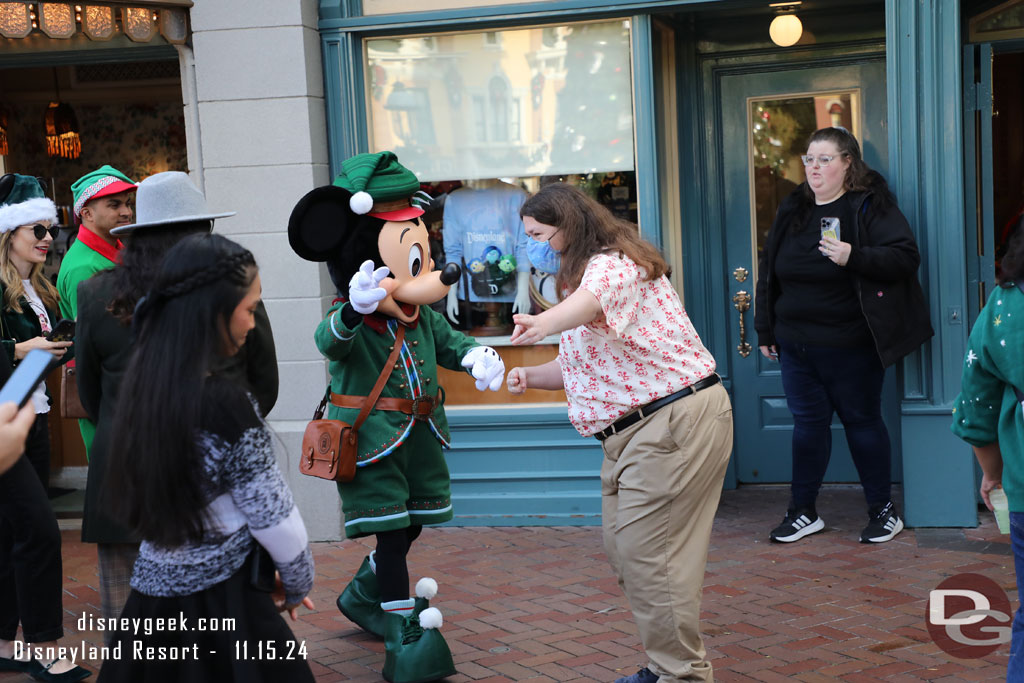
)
(332, 337)
(991, 369)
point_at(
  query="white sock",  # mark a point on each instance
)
(400, 607)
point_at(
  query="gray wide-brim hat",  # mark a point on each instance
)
(168, 198)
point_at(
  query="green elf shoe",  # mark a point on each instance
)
(360, 602)
(414, 649)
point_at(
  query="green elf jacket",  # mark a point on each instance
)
(80, 263)
(357, 356)
(89, 255)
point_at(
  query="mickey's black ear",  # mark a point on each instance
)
(319, 222)
(6, 185)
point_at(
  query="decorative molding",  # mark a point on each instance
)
(926, 173)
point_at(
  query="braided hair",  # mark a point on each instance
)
(181, 328)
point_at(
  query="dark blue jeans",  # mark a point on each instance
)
(1015, 667)
(818, 382)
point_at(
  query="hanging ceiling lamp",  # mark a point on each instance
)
(61, 128)
(786, 28)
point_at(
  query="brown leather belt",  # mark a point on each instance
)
(421, 407)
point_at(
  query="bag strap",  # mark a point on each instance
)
(389, 365)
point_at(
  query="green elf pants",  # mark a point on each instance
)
(409, 486)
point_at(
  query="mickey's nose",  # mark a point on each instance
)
(450, 274)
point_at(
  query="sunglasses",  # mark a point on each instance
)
(40, 230)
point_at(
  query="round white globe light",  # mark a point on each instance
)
(785, 30)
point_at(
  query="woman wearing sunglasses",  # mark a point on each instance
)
(30, 560)
(837, 302)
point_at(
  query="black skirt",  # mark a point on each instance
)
(228, 632)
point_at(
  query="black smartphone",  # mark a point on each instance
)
(26, 376)
(64, 331)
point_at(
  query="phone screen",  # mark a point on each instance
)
(64, 331)
(26, 377)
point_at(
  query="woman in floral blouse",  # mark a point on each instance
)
(638, 379)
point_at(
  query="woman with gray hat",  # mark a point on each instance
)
(168, 208)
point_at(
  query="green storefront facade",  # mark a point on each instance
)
(714, 115)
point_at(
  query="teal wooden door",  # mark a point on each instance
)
(765, 120)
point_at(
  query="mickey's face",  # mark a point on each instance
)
(405, 250)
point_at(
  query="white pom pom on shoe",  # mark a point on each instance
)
(361, 202)
(426, 588)
(431, 618)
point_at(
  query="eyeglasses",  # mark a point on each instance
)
(823, 159)
(40, 230)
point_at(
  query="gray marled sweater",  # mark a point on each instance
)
(248, 502)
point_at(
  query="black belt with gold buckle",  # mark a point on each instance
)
(640, 413)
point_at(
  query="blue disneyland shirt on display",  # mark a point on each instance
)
(482, 228)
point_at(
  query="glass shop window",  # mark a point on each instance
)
(483, 129)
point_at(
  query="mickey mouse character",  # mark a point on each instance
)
(366, 228)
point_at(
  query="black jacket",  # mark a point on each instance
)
(883, 261)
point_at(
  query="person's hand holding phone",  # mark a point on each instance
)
(14, 426)
(57, 348)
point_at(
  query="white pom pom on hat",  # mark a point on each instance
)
(431, 618)
(426, 588)
(361, 202)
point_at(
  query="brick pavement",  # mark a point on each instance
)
(540, 604)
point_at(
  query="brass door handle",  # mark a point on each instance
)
(741, 300)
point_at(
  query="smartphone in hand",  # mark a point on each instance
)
(63, 331)
(26, 376)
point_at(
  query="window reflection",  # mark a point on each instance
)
(511, 103)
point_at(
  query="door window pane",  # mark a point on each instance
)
(779, 129)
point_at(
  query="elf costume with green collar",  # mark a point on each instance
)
(377, 252)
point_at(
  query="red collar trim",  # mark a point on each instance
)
(100, 245)
(377, 322)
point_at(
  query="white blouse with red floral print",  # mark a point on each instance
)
(642, 348)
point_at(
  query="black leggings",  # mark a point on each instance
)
(392, 570)
(30, 562)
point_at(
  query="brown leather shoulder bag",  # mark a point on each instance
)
(330, 447)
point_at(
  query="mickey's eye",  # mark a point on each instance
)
(415, 260)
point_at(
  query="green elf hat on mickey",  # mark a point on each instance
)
(23, 202)
(380, 186)
(105, 180)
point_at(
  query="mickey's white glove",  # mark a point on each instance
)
(486, 366)
(364, 290)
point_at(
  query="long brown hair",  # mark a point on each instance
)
(588, 228)
(10, 278)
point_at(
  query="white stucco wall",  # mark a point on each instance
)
(254, 110)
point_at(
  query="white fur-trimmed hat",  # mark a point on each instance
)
(23, 202)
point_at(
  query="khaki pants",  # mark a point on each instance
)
(660, 482)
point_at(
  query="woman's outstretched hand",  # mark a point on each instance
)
(530, 329)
